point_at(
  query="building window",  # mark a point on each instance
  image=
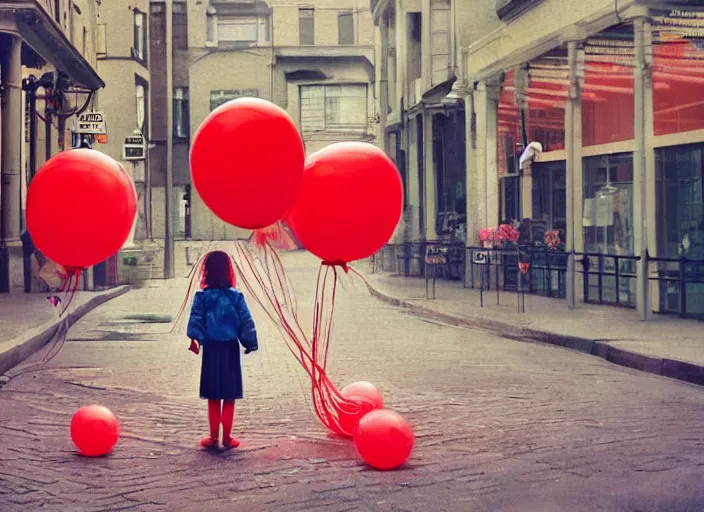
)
(180, 30)
(181, 124)
(345, 28)
(334, 108)
(306, 26)
(139, 44)
(211, 27)
(243, 29)
(141, 96)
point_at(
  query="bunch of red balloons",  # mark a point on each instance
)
(343, 202)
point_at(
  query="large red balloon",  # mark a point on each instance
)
(350, 202)
(246, 162)
(81, 207)
(94, 430)
(384, 439)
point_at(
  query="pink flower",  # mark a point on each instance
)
(487, 235)
(508, 233)
(552, 239)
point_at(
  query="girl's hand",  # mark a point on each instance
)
(194, 347)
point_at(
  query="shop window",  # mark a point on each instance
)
(608, 204)
(607, 220)
(549, 198)
(607, 99)
(334, 108)
(678, 74)
(680, 230)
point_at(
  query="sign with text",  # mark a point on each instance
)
(217, 98)
(134, 147)
(91, 123)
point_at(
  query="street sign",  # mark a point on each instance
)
(91, 123)
(480, 257)
(134, 147)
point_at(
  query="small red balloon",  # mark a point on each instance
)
(364, 390)
(94, 430)
(350, 420)
(247, 160)
(384, 439)
(350, 202)
(81, 207)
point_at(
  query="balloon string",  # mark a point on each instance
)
(69, 285)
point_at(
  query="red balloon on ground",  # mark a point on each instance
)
(384, 439)
(350, 420)
(350, 202)
(94, 430)
(364, 390)
(81, 207)
(247, 160)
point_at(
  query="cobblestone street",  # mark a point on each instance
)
(500, 425)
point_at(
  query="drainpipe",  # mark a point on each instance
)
(453, 36)
(273, 56)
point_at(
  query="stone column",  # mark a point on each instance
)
(643, 160)
(426, 47)
(486, 195)
(384, 84)
(430, 189)
(573, 175)
(470, 187)
(493, 216)
(11, 163)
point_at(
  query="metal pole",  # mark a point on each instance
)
(169, 270)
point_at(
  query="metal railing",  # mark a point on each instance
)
(606, 278)
(615, 278)
(675, 277)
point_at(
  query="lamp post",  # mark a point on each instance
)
(169, 270)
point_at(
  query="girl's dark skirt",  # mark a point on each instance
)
(221, 371)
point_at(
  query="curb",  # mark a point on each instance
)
(674, 369)
(29, 343)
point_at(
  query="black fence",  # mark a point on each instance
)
(606, 278)
(681, 285)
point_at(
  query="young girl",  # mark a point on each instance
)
(220, 320)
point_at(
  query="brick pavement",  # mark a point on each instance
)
(500, 425)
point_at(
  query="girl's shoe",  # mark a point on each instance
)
(230, 442)
(209, 442)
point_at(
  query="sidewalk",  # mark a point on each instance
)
(667, 345)
(28, 321)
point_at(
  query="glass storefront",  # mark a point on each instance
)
(680, 231)
(607, 222)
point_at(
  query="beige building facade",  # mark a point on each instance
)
(580, 118)
(123, 61)
(314, 59)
